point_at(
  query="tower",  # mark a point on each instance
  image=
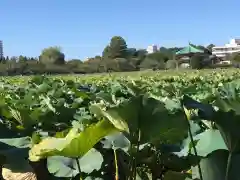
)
(1, 49)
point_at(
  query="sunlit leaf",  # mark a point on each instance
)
(75, 144)
(61, 166)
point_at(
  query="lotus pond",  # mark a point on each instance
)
(168, 125)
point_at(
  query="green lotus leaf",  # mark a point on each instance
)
(116, 141)
(172, 175)
(207, 142)
(113, 117)
(14, 152)
(214, 166)
(226, 118)
(75, 145)
(61, 166)
(150, 116)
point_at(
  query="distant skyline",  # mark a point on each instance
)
(83, 29)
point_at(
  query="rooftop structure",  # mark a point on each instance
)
(189, 50)
(227, 49)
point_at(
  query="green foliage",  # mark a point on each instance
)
(221, 158)
(210, 46)
(118, 47)
(116, 57)
(52, 55)
(235, 59)
(196, 62)
(62, 166)
(171, 64)
(148, 63)
(75, 145)
(122, 126)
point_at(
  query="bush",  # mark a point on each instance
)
(196, 61)
(171, 64)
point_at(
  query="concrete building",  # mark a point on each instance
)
(151, 49)
(1, 49)
(228, 49)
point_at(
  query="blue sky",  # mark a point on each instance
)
(83, 28)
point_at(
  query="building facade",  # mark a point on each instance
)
(1, 49)
(228, 49)
(151, 49)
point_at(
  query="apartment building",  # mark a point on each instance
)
(151, 49)
(224, 51)
(1, 49)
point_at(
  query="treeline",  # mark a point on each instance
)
(116, 57)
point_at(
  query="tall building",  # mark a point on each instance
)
(151, 49)
(1, 49)
(223, 51)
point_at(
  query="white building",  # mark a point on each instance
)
(227, 49)
(151, 49)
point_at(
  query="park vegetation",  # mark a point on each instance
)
(116, 57)
(179, 125)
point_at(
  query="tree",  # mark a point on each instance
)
(118, 47)
(106, 52)
(22, 59)
(74, 63)
(98, 57)
(159, 56)
(141, 53)
(132, 52)
(124, 64)
(169, 52)
(210, 46)
(13, 59)
(235, 59)
(171, 64)
(93, 64)
(196, 61)
(2, 59)
(149, 63)
(138, 57)
(7, 59)
(52, 55)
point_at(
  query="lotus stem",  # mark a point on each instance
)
(229, 162)
(195, 151)
(116, 164)
(133, 164)
(135, 160)
(187, 117)
(79, 168)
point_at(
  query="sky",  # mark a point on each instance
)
(83, 28)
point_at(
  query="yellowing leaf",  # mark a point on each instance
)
(114, 118)
(75, 144)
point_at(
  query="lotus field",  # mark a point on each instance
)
(169, 125)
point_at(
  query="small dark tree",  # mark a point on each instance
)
(196, 61)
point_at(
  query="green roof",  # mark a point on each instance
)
(188, 50)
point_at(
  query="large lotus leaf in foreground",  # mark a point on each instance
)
(149, 116)
(226, 119)
(75, 145)
(206, 143)
(214, 166)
